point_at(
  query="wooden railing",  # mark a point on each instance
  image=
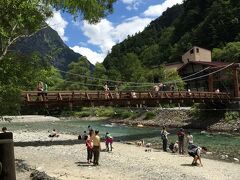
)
(86, 98)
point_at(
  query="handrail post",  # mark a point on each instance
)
(7, 157)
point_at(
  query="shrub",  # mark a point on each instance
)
(105, 112)
(231, 116)
(122, 113)
(150, 115)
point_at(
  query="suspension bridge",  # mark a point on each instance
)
(152, 98)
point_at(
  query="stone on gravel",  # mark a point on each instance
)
(37, 175)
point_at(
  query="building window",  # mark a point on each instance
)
(192, 51)
(197, 50)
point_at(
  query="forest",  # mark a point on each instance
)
(211, 24)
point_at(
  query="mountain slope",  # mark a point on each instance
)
(205, 23)
(49, 45)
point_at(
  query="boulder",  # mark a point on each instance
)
(236, 159)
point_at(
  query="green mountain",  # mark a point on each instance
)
(205, 23)
(48, 44)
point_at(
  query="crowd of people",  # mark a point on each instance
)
(178, 146)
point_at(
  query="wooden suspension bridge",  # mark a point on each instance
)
(121, 98)
(72, 99)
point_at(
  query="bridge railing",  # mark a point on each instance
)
(32, 96)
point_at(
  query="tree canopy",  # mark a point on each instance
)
(91, 10)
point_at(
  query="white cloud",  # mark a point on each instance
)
(105, 34)
(99, 34)
(92, 56)
(132, 4)
(58, 24)
(157, 10)
(130, 27)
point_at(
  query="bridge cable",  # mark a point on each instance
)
(195, 73)
(214, 72)
(109, 80)
(147, 84)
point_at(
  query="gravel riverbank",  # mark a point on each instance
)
(65, 158)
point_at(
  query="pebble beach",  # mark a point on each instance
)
(65, 158)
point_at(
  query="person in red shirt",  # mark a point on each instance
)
(89, 144)
(181, 135)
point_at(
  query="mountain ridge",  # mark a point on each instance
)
(48, 44)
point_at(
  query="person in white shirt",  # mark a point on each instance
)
(189, 138)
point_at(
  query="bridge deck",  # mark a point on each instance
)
(121, 98)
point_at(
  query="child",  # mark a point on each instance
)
(108, 141)
(174, 147)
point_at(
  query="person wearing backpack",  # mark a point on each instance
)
(164, 137)
(195, 152)
(181, 135)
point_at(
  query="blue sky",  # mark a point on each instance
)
(95, 40)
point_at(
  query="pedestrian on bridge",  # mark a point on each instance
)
(106, 91)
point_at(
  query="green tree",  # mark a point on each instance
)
(130, 67)
(165, 76)
(91, 10)
(20, 18)
(23, 18)
(231, 52)
(101, 78)
(19, 73)
(78, 75)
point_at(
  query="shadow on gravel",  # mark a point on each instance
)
(83, 164)
(187, 165)
(47, 143)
